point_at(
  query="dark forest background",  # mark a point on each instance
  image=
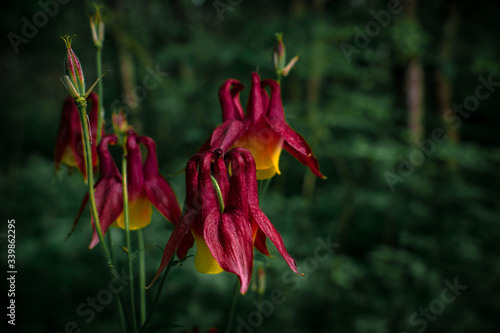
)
(412, 197)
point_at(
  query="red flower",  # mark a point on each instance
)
(263, 131)
(69, 144)
(145, 186)
(225, 234)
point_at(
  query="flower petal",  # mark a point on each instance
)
(135, 174)
(108, 190)
(258, 217)
(260, 243)
(226, 134)
(255, 104)
(65, 131)
(294, 142)
(176, 239)
(204, 261)
(139, 211)
(229, 97)
(296, 146)
(268, 229)
(157, 188)
(180, 238)
(109, 201)
(229, 238)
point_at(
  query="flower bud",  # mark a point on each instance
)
(74, 79)
(279, 54)
(261, 276)
(120, 124)
(97, 27)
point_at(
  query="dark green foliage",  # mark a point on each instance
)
(395, 248)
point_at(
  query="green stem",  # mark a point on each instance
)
(219, 193)
(263, 186)
(100, 94)
(158, 293)
(128, 242)
(90, 180)
(142, 275)
(82, 105)
(233, 307)
(123, 322)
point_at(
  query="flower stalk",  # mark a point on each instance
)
(97, 29)
(142, 276)
(128, 242)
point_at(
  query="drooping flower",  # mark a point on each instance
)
(263, 130)
(108, 190)
(226, 223)
(145, 187)
(69, 148)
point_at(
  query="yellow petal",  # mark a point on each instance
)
(265, 149)
(140, 212)
(204, 261)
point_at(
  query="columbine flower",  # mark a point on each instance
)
(145, 186)
(69, 143)
(228, 223)
(263, 131)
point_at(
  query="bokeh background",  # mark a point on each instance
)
(406, 209)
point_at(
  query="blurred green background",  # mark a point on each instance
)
(406, 208)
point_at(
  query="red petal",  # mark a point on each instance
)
(226, 134)
(229, 238)
(206, 193)
(157, 188)
(108, 190)
(135, 175)
(109, 200)
(178, 238)
(294, 142)
(229, 97)
(238, 192)
(220, 175)
(260, 243)
(64, 135)
(255, 105)
(296, 145)
(269, 230)
(257, 216)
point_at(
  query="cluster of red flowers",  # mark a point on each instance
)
(221, 210)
